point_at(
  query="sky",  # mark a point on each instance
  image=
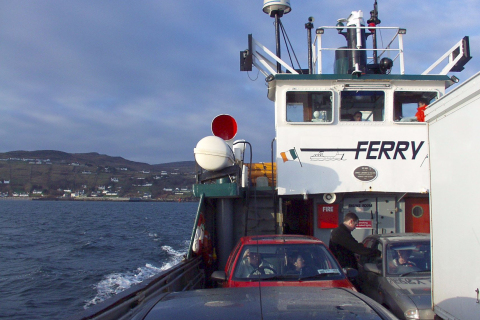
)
(144, 79)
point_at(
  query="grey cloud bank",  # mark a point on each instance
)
(143, 79)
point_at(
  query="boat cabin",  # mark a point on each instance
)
(353, 140)
(353, 145)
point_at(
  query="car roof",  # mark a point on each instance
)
(399, 237)
(279, 238)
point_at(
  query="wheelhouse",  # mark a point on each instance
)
(372, 165)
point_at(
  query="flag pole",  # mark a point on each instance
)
(297, 156)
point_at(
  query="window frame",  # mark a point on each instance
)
(309, 108)
(418, 94)
(341, 98)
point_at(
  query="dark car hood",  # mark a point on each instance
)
(276, 303)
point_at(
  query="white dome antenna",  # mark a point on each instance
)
(280, 7)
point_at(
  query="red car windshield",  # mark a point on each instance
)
(286, 262)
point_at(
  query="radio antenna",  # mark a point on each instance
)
(373, 22)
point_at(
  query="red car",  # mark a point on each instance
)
(283, 260)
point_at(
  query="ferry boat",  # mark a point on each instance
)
(323, 163)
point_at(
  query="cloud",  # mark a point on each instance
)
(143, 80)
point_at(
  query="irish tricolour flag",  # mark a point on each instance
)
(289, 155)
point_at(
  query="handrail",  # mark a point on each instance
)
(318, 45)
(458, 56)
(200, 209)
(262, 60)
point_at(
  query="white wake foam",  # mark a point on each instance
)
(115, 283)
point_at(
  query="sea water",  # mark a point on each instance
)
(59, 257)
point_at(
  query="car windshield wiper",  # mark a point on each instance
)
(319, 276)
(416, 271)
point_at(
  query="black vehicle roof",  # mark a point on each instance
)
(273, 303)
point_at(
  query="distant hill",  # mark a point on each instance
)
(93, 158)
(52, 172)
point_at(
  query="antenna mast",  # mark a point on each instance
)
(373, 22)
(276, 9)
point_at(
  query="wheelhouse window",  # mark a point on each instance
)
(309, 106)
(362, 106)
(405, 104)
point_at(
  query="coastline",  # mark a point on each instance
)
(96, 199)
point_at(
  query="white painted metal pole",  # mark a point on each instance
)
(400, 48)
(319, 53)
